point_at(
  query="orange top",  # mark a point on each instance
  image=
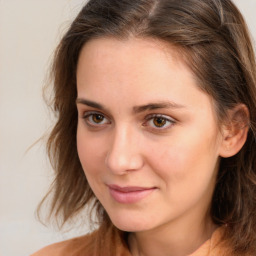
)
(112, 243)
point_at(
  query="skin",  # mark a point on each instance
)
(119, 142)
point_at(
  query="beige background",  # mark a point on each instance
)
(29, 31)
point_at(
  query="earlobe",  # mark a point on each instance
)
(234, 131)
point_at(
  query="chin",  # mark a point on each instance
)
(127, 227)
(131, 224)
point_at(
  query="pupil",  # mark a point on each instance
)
(97, 118)
(159, 122)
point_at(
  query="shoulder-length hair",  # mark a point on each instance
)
(212, 37)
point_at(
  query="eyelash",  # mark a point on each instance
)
(91, 123)
(167, 121)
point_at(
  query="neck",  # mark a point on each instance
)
(176, 239)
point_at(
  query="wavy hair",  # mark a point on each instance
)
(214, 40)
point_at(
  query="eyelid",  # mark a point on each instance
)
(91, 112)
(160, 115)
(169, 119)
(88, 114)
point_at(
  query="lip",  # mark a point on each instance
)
(129, 194)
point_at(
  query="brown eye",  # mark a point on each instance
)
(97, 118)
(159, 121)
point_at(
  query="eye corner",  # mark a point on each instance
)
(159, 122)
(95, 119)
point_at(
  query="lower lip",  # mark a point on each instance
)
(129, 197)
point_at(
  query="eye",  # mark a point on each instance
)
(158, 121)
(95, 119)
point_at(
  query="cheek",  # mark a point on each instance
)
(171, 163)
(187, 179)
(185, 159)
(89, 151)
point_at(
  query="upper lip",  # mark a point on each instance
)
(128, 188)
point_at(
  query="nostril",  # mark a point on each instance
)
(123, 154)
(121, 163)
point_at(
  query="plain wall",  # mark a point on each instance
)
(29, 32)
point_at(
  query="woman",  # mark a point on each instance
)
(156, 106)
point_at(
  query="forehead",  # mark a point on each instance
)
(136, 72)
(127, 49)
(143, 43)
(132, 59)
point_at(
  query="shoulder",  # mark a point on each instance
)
(215, 246)
(70, 247)
(107, 241)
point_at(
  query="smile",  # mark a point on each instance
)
(129, 195)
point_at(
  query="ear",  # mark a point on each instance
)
(234, 131)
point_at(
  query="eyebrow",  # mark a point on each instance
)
(136, 109)
(157, 105)
(89, 103)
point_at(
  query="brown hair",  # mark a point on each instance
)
(215, 41)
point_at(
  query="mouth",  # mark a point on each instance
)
(130, 194)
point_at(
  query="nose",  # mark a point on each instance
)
(124, 153)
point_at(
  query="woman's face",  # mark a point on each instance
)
(147, 137)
